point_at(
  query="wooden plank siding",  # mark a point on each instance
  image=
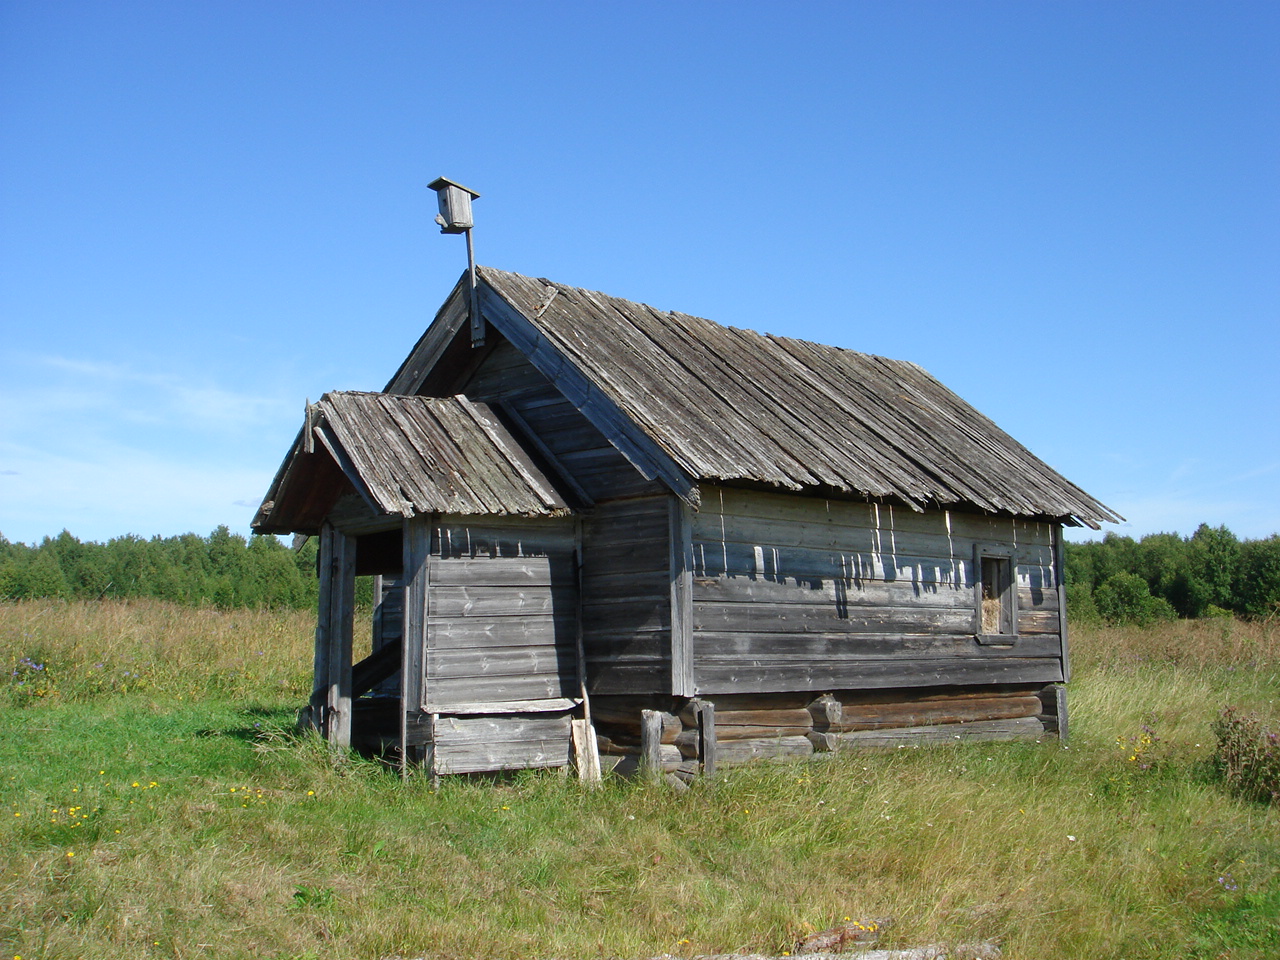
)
(627, 595)
(802, 593)
(501, 622)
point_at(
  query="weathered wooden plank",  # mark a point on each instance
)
(474, 600)
(762, 675)
(493, 661)
(980, 730)
(735, 501)
(613, 677)
(651, 741)
(647, 614)
(844, 647)
(445, 692)
(708, 737)
(921, 713)
(335, 631)
(813, 535)
(681, 599)
(764, 748)
(798, 619)
(452, 730)
(518, 572)
(766, 715)
(846, 593)
(624, 720)
(713, 559)
(475, 634)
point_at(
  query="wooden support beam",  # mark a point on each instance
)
(1059, 567)
(417, 584)
(651, 744)
(708, 742)
(334, 633)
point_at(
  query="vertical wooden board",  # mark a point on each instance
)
(341, 573)
(1059, 569)
(418, 540)
(324, 611)
(681, 549)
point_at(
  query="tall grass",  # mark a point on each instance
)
(178, 816)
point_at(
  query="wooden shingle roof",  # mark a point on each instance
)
(726, 404)
(407, 455)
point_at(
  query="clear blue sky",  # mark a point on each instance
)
(1067, 212)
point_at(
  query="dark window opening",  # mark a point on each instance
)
(996, 614)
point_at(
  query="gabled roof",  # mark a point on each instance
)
(701, 401)
(406, 456)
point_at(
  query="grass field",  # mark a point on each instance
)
(154, 803)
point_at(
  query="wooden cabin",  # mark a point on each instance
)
(702, 544)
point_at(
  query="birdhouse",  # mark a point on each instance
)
(455, 205)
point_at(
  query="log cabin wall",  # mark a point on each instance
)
(798, 593)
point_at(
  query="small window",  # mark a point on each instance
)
(995, 593)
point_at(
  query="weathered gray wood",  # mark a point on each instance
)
(627, 722)
(764, 748)
(1059, 567)
(475, 744)
(762, 675)
(651, 741)
(927, 712)
(868, 642)
(708, 743)
(323, 644)
(338, 559)
(444, 693)
(734, 501)
(982, 730)
(681, 599)
(586, 755)
(416, 605)
(826, 712)
(590, 400)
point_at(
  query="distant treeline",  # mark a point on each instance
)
(1162, 576)
(222, 569)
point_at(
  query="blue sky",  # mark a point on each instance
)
(1067, 212)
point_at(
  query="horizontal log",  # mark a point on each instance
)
(982, 730)
(688, 740)
(839, 645)
(669, 752)
(926, 712)
(766, 715)
(766, 674)
(776, 748)
(621, 724)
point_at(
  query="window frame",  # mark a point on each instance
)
(1003, 554)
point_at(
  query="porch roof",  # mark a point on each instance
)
(405, 456)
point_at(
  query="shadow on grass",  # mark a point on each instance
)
(265, 723)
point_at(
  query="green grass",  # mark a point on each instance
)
(179, 817)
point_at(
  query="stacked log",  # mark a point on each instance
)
(678, 736)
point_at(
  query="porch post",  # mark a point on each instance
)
(334, 628)
(417, 598)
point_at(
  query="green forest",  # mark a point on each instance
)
(1115, 580)
(222, 569)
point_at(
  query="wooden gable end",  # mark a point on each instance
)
(527, 376)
